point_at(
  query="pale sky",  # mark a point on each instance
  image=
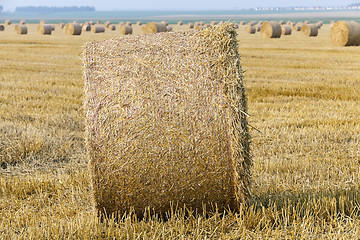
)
(108, 5)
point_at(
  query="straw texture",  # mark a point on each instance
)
(20, 29)
(153, 27)
(72, 29)
(309, 30)
(166, 121)
(250, 29)
(270, 29)
(2, 28)
(345, 33)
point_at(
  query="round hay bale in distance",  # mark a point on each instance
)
(191, 25)
(158, 138)
(86, 28)
(180, 23)
(309, 30)
(250, 29)
(22, 22)
(44, 29)
(8, 22)
(138, 23)
(297, 28)
(20, 29)
(125, 30)
(154, 27)
(61, 25)
(345, 33)
(72, 29)
(2, 27)
(111, 27)
(97, 29)
(271, 29)
(286, 30)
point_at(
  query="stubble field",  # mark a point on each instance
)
(304, 103)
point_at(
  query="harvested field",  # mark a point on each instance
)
(303, 98)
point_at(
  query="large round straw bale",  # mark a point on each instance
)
(191, 25)
(22, 22)
(61, 25)
(252, 23)
(125, 30)
(309, 30)
(258, 27)
(154, 27)
(20, 29)
(72, 29)
(107, 24)
(128, 23)
(306, 22)
(242, 23)
(44, 29)
(281, 22)
(271, 29)
(98, 22)
(8, 22)
(86, 27)
(286, 30)
(42, 22)
(345, 33)
(97, 29)
(2, 27)
(198, 26)
(165, 22)
(91, 23)
(180, 23)
(138, 23)
(166, 122)
(169, 28)
(250, 29)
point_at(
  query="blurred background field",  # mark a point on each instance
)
(304, 103)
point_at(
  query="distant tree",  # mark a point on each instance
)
(44, 9)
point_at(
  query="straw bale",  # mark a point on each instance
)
(286, 30)
(281, 22)
(258, 28)
(319, 24)
(44, 29)
(236, 25)
(121, 23)
(169, 28)
(198, 26)
(53, 27)
(165, 22)
(20, 29)
(154, 27)
(250, 29)
(107, 24)
(125, 30)
(345, 33)
(97, 29)
(213, 23)
(138, 23)
(8, 22)
(128, 23)
(75, 21)
(22, 22)
(191, 25)
(111, 27)
(180, 23)
(309, 30)
(61, 25)
(297, 27)
(252, 23)
(260, 23)
(86, 28)
(72, 29)
(201, 23)
(98, 22)
(271, 29)
(2, 27)
(166, 122)
(306, 22)
(91, 23)
(242, 23)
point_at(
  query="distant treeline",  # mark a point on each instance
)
(55, 9)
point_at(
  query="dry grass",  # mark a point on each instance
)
(303, 97)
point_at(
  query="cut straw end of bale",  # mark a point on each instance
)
(72, 29)
(345, 33)
(125, 30)
(166, 122)
(309, 30)
(86, 28)
(271, 29)
(154, 27)
(2, 27)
